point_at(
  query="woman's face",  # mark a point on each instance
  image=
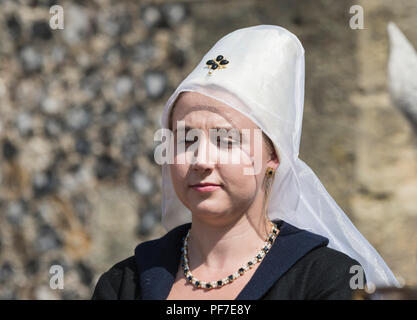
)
(236, 193)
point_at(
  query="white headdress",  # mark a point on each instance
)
(264, 80)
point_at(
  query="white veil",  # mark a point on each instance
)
(264, 80)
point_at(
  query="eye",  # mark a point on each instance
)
(226, 142)
(188, 142)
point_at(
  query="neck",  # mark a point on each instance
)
(226, 247)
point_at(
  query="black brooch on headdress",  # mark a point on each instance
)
(219, 63)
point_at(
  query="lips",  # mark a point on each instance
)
(205, 187)
(204, 184)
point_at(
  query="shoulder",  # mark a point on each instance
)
(328, 274)
(325, 257)
(119, 282)
(161, 250)
(323, 273)
(172, 236)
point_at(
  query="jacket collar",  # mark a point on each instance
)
(158, 261)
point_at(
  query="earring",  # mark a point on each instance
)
(270, 172)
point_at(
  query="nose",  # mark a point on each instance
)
(205, 155)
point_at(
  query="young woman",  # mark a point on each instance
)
(246, 218)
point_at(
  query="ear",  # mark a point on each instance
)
(273, 162)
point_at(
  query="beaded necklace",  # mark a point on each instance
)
(229, 279)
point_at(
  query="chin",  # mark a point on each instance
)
(207, 209)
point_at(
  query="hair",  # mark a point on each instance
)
(267, 182)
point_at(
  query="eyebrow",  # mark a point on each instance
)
(214, 110)
(187, 128)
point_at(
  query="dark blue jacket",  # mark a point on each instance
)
(299, 265)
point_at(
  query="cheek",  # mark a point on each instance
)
(248, 163)
(237, 157)
(237, 184)
(250, 157)
(178, 174)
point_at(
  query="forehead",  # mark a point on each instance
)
(196, 107)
